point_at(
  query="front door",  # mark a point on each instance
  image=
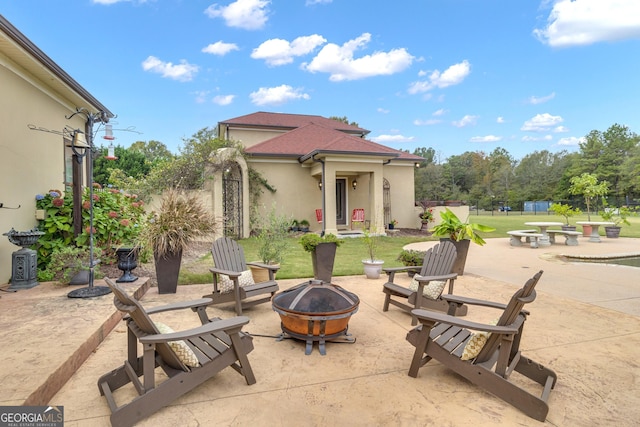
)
(341, 201)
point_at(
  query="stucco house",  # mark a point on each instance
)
(322, 169)
(37, 97)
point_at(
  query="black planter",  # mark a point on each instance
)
(127, 261)
(462, 249)
(569, 227)
(322, 259)
(167, 270)
(612, 232)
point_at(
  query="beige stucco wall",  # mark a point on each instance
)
(31, 162)
(249, 137)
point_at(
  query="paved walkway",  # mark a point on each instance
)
(585, 324)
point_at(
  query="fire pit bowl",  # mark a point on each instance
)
(315, 311)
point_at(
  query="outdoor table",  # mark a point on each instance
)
(544, 240)
(595, 236)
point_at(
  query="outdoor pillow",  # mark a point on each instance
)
(226, 284)
(182, 350)
(432, 290)
(476, 343)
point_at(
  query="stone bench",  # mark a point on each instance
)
(530, 236)
(571, 237)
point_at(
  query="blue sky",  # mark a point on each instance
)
(455, 75)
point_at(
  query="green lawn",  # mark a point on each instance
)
(297, 263)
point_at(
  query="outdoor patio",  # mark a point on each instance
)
(585, 324)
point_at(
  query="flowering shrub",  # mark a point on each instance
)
(426, 215)
(117, 217)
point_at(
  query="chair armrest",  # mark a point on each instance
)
(209, 328)
(430, 278)
(201, 302)
(473, 301)
(231, 274)
(415, 268)
(434, 316)
(267, 266)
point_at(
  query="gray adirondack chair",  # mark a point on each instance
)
(228, 258)
(436, 265)
(443, 337)
(216, 344)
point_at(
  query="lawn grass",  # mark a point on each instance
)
(297, 262)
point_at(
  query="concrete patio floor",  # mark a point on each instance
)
(585, 324)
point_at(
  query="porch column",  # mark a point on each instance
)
(376, 200)
(329, 189)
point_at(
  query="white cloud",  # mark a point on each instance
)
(440, 112)
(392, 139)
(427, 122)
(183, 72)
(276, 95)
(500, 119)
(340, 63)
(310, 2)
(465, 121)
(201, 96)
(487, 138)
(535, 100)
(528, 138)
(584, 22)
(220, 48)
(560, 129)
(279, 52)
(571, 141)
(453, 75)
(223, 99)
(383, 111)
(542, 123)
(245, 14)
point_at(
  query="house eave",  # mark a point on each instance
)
(323, 153)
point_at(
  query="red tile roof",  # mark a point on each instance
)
(291, 121)
(312, 138)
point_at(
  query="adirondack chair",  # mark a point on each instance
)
(357, 216)
(229, 261)
(448, 340)
(319, 216)
(435, 269)
(188, 358)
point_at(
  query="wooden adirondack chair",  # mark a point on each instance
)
(436, 266)
(357, 216)
(188, 358)
(444, 338)
(228, 258)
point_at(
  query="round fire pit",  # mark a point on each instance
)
(316, 311)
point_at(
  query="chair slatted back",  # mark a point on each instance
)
(439, 259)
(523, 296)
(357, 215)
(228, 255)
(143, 322)
(319, 215)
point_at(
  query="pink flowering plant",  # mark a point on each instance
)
(117, 218)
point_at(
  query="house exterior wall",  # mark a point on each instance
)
(248, 137)
(31, 162)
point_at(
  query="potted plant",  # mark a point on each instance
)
(411, 258)
(180, 220)
(272, 243)
(426, 216)
(304, 225)
(393, 224)
(294, 225)
(617, 216)
(567, 212)
(372, 265)
(461, 234)
(323, 253)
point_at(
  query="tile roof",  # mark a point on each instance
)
(313, 137)
(290, 121)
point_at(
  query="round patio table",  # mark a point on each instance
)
(543, 225)
(595, 236)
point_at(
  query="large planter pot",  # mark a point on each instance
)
(167, 270)
(127, 261)
(372, 268)
(586, 230)
(260, 274)
(322, 258)
(612, 232)
(462, 249)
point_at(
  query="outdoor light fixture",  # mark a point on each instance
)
(417, 164)
(84, 141)
(319, 185)
(354, 184)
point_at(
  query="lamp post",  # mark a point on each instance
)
(82, 147)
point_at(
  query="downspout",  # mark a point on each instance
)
(324, 217)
